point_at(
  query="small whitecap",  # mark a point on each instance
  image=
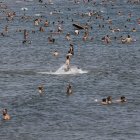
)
(37, 14)
(135, 40)
(96, 100)
(24, 8)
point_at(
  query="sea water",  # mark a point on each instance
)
(98, 70)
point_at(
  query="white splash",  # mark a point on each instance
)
(62, 71)
(24, 8)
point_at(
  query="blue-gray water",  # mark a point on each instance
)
(113, 69)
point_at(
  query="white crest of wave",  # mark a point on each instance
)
(62, 71)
